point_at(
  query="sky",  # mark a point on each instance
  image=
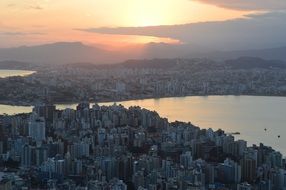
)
(27, 22)
(30, 22)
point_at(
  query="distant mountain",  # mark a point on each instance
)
(57, 53)
(63, 53)
(254, 63)
(15, 65)
(243, 63)
(278, 53)
(168, 51)
(131, 64)
(150, 63)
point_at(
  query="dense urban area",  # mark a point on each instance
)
(140, 79)
(142, 95)
(115, 148)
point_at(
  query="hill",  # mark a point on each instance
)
(57, 53)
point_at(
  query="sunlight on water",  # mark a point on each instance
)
(11, 73)
(249, 115)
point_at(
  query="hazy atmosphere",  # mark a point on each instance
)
(142, 94)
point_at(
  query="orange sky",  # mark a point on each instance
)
(27, 22)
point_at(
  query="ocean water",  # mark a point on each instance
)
(11, 73)
(249, 115)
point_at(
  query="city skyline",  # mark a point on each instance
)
(142, 94)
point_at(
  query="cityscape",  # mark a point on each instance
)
(112, 147)
(156, 78)
(142, 95)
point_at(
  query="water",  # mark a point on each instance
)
(11, 110)
(11, 73)
(249, 115)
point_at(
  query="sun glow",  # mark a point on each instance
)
(53, 19)
(166, 12)
(150, 13)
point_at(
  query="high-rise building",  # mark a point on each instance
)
(46, 111)
(244, 186)
(101, 135)
(79, 150)
(26, 156)
(5, 184)
(118, 185)
(229, 172)
(41, 155)
(186, 159)
(248, 169)
(37, 129)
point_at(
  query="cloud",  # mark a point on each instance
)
(248, 4)
(35, 7)
(20, 33)
(27, 6)
(11, 5)
(255, 31)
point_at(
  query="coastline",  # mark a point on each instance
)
(27, 104)
(245, 117)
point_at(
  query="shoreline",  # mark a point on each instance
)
(239, 132)
(26, 104)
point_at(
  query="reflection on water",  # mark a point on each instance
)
(10, 110)
(248, 115)
(11, 73)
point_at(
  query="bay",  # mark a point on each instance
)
(248, 115)
(12, 73)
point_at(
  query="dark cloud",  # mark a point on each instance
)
(20, 33)
(11, 5)
(12, 33)
(24, 6)
(256, 31)
(248, 4)
(35, 7)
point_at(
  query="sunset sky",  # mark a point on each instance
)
(28, 22)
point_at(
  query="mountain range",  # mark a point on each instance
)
(62, 53)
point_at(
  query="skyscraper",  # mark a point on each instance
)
(248, 169)
(26, 156)
(37, 129)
